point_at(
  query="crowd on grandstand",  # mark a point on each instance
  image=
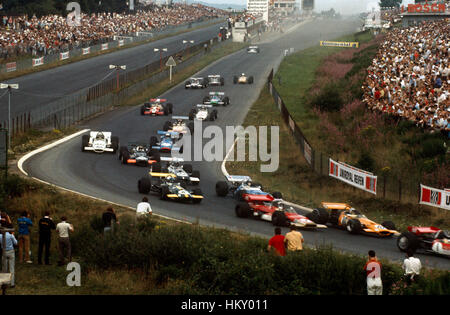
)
(410, 75)
(49, 34)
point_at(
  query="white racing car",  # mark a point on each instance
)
(196, 83)
(201, 112)
(99, 142)
(182, 172)
(252, 49)
(178, 124)
(243, 79)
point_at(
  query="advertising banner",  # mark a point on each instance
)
(10, 67)
(38, 62)
(105, 46)
(353, 176)
(86, 50)
(434, 197)
(64, 55)
(121, 42)
(339, 44)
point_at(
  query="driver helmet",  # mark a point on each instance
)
(100, 136)
(139, 148)
(243, 74)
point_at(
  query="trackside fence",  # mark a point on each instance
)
(388, 186)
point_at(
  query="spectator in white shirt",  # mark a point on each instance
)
(64, 246)
(143, 208)
(411, 266)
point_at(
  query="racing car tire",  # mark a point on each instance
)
(125, 157)
(186, 84)
(191, 127)
(277, 195)
(222, 81)
(170, 107)
(153, 141)
(191, 114)
(84, 142)
(226, 101)
(205, 99)
(121, 150)
(188, 168)
(196, 174)
(389, 225)
(407, 241)
(166, 110)
(242, 210)
(221, 188)
(354, 226)
(164, 192)
(215, 113)
(115, 143)
(250, 80)
(197, 191)
(144, 185)
(142, 110)
(279, 219)
(167, 125)
(235, 79)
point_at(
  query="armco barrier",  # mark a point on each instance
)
(389, 187)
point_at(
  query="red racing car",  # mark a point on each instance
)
(429, 239)
(156, 107)
(277, 211)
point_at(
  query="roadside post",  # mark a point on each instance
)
(170, 63)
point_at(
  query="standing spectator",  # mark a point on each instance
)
(64, 247)
(277, 242)
(46, 225)
(294, 240)
(143, 209)
(8, 260)
(109, 220)
(411, 267)
(206, 47)
(373, 270)
(5, 219)
(24, 223)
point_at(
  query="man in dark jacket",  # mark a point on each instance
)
(46, 225)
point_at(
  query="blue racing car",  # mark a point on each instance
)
(166, 142)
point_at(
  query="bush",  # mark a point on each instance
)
(366, 162)
(328, 99)
(432, 147)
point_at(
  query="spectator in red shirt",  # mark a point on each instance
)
(277, 242)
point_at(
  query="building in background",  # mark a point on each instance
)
(285, 6)
(307, 7)
(259, 7)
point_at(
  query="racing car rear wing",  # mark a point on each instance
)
(204, 105)
(238, 178)
(158, 100)
(171, 159)
(216, 93)
(180, 117)
(172, 133)
(214, 76)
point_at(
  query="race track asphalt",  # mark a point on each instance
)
(40, 88)
(103, 176)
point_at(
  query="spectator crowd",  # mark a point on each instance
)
(49, 34)
(410, 76)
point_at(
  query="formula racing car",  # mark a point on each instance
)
(201, 112)
(174, 166)
(196, 83)
(215, 80)
(99, 141)
(427, 239)
(216, 98)
(178, 124)
(277, 211)
(169, 188)
(344, 216)
(243, 79)
(166, 142)
(156, 107)
(138, 154)
(252, 49)
(242, 188)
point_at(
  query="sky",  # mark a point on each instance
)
(342, 6)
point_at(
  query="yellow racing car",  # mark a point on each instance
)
(346, 217)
